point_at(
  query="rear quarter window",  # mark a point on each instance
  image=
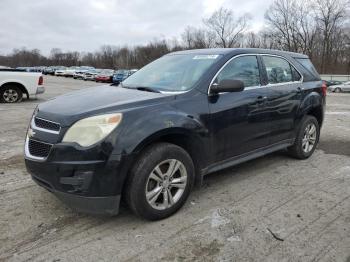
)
(310, 72)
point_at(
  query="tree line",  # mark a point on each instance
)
(318, 28)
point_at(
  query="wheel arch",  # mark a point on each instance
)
(313, 104)
(183, 138)
(17, 84)
(317, 112)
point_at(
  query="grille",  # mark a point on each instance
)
(42, 123)
(39, 149)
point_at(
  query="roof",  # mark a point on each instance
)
(236, 51)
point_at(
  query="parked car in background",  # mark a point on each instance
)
(344, 87)
(122, 74)
(31, 68)
(60, 71)
(91, 74)
(14, 84)
(48, 70)
(332, 82)
(105, 76)
(79, 73)
(185, 115)
(70, 71)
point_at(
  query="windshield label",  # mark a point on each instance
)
(205, 56)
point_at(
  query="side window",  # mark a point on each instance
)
(244, 68)
(295, 74)
(278, 70)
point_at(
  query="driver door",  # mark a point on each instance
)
(239, 120)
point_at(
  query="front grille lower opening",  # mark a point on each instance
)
(39, 149)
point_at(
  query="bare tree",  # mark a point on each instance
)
(319, 28)
(194, 38)
(227, 29)
(291, 24)
(330, 16)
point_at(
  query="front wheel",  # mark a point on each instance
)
(337, 90)
(307, 138)
(160, 181)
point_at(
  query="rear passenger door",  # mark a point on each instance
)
(284, 85)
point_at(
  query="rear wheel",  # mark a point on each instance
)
(307, 138)
(160, 181)
(11, 94)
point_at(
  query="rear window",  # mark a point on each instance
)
(311, 73)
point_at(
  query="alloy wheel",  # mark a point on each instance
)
(10, 95)
(309, 139)
(166, 184)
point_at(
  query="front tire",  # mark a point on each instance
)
(307, 138)
(160, 181)
(337, 90)
(11, 94)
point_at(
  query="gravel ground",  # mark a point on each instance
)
(270, 209)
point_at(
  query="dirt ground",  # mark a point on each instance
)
(270, 209)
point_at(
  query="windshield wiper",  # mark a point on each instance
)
(148, 89)
(141, 88)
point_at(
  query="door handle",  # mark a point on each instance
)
(261, 99)
(299, 89)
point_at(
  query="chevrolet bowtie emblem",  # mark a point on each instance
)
(31, 132)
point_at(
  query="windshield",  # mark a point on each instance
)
(171, 73)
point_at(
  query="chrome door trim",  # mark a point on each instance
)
(260, 86)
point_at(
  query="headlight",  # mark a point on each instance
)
(89, 131)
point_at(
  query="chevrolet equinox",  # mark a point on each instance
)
(149, 140)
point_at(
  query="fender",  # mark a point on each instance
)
(311, 101)
(187, 130)
(143, 130)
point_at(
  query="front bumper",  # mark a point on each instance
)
(86, 185)
(90, 205)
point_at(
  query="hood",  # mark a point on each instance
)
(71, 107)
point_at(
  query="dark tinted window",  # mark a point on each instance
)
(311, 71)
(243, 68)
(295, 74)
(278, 70)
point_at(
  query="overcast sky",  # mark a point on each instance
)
(85, 25)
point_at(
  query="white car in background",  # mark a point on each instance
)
(344, 87)
(60, 71)
(15, 84)
(79, 73)
(91, 74)
(70, 71)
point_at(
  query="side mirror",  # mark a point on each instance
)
(227, 85)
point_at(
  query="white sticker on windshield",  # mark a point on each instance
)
(205, 56)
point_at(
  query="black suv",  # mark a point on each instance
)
(149, 140)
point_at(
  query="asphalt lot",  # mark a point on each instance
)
(270, 209)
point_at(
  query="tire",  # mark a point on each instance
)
(337, 90)
(10, 94)
(306, 140)
(141, 182)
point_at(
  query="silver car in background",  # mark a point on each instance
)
(344, 87)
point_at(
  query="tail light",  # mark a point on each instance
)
(41, 81)
(324, 88)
